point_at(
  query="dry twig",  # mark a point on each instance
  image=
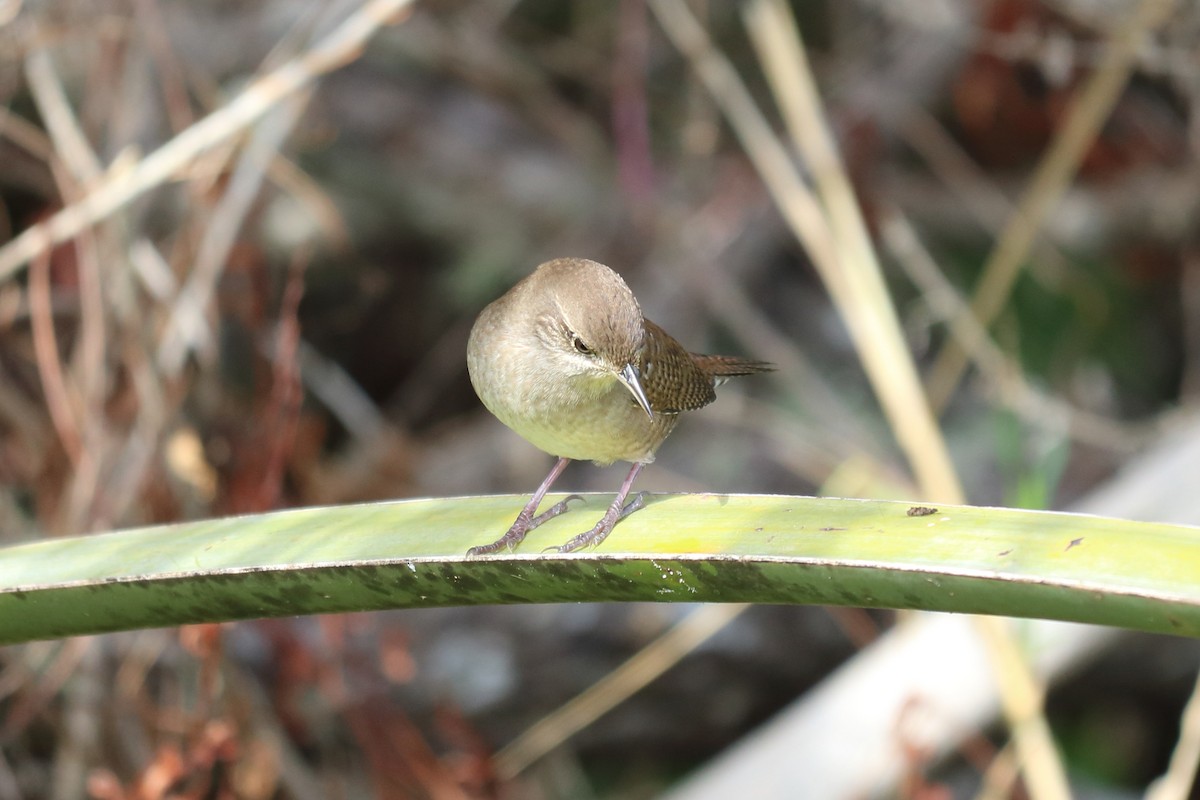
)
(115, 190)
(1054, 174)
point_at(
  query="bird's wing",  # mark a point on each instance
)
(670, 376)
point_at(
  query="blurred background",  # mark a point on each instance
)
(280, 320)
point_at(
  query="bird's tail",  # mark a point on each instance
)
(724, 367)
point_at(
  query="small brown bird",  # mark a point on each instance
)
(566, 359)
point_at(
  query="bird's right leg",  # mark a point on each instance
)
(616, 512)
(526, 521)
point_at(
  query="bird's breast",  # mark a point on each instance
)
(585, 417)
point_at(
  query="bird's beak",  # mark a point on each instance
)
(632, 381)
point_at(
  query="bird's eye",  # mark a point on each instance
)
(581, 346)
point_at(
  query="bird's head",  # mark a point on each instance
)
(590, 324)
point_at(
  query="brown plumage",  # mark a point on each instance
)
(566, 359)
(676, 380)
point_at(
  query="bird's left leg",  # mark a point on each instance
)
(616, 512)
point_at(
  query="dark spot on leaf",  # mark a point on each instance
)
(1004, 552)
(831, 529)
(921, 511)
(1074, 543)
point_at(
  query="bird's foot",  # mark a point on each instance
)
(553, 511)
(636, 504)
(516, 534)
(604, 527)
(508, 541)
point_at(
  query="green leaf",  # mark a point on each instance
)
(713, 548)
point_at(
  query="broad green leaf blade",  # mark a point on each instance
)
(718, 548)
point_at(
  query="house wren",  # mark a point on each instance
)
(566, 359)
